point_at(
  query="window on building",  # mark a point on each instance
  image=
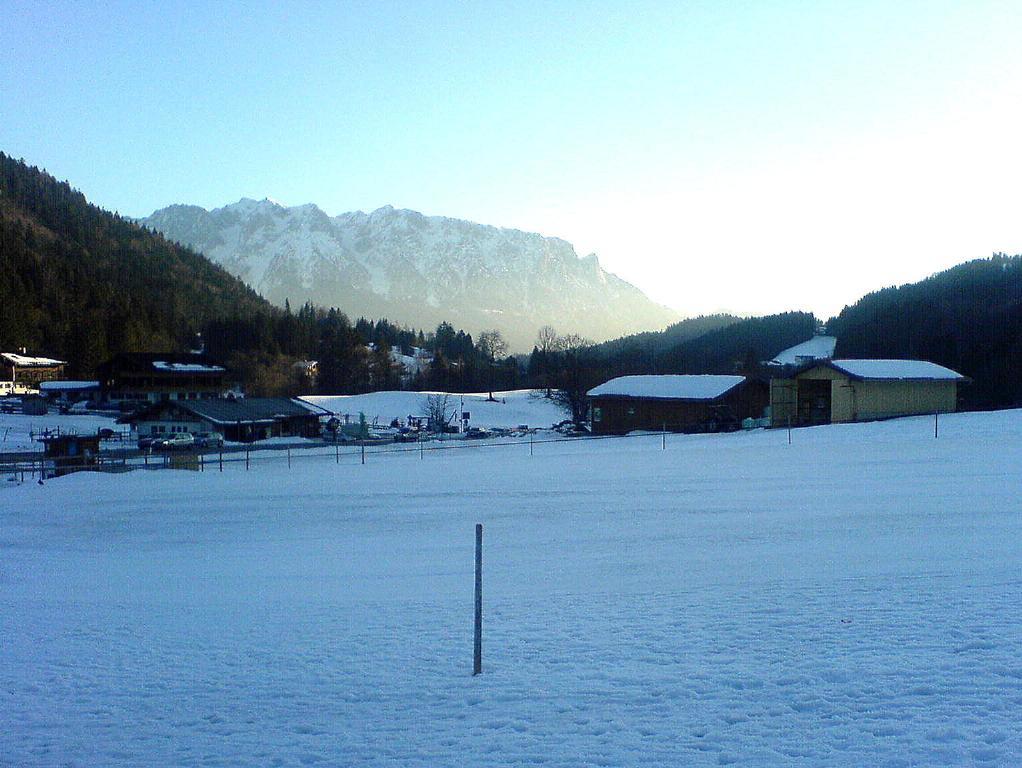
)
(597, 414)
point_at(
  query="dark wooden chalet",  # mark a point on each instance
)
(678, 403)
(134, 378)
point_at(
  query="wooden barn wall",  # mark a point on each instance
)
(747, 400)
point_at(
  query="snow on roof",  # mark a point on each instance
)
(161, 365)
(896, 369)
(817, 348)
(668, 387)
(59, 386)
(24, 360)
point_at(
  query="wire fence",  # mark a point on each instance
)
(359, 452)
(256, 456)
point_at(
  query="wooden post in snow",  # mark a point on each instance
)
(477, 652)
(789, 430)
(663, 438)
(289, 458)
(935, 414)
(246, 459)
(221, 459)
(363, 452)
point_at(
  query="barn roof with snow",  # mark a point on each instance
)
(896, 370)
(25, 361)
(668, 387)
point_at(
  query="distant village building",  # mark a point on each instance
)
(678, 403)
(836, 391)
(245, 420)
(307, 371)
(69, 391)
(134, 378)
(410, 365)
(22, 373)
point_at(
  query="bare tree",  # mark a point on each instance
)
(547, 344)
(440, 410)
(491, 345)
(575, 377)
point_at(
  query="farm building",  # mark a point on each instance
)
(679, 403)
(838, 391)
(133, 378)
(244, 420)
(25, 373)
(69, 391)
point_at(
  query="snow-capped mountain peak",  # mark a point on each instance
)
(415, 269)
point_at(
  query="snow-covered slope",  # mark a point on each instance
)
(850, 599)
(816, 348)
(415, 269)
(518, 407)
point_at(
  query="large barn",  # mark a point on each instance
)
(839, 391)
(678, 403)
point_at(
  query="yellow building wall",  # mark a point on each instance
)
(883, 399)
(842, 400)
(867, 400)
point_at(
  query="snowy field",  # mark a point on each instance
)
(522, 406)
(849, 600)
(16, 429)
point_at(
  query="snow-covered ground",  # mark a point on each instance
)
(851, 599)
(17, 430)
(522, 406)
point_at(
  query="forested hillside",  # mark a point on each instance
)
(80, 283)
(968, 318)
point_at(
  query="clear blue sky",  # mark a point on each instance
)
(750, 156)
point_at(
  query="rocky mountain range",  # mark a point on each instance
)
(414, 269)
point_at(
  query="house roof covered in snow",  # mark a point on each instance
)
(24, 361)
(668, 387)
(189, 363)
(164, 365)
(897, 370)
(247, 410)
(816, 348)
(67, 386)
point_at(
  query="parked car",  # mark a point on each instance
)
(174, 441)
(105, 433)
(146, 442)
(478, 433)
(208, 440)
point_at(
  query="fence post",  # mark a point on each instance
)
(531, 435)
(789, 430)
(221, 459)
(289, 458)
(663, 438)
(202, 462)
(246, 459)
(421, 449)
(337, 453)
(935, 425)
(363, 453)
(477, 655)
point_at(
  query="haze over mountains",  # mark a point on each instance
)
(415, 269)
